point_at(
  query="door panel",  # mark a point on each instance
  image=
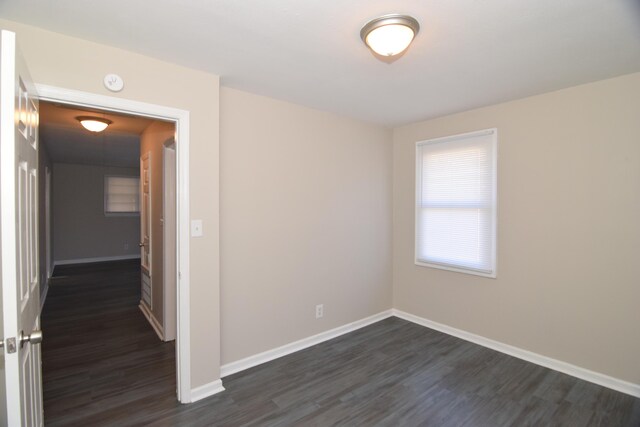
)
(145, 230)
(23, 240)
(145, 212)
(19, 245)
(32, 211)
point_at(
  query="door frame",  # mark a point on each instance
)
(181, 120)
(47, 236)
(168, 245)
(47, 209)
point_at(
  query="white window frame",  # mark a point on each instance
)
(110, 213)
(418, 180)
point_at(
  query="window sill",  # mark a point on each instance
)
(482, 273)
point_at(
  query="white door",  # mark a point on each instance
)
(145, 229)
(18, 231)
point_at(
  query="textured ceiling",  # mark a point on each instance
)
(469, 53)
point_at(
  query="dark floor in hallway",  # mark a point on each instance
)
(100, 357)
(104, 365)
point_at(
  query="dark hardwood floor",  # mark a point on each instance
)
(103, 365)
(100, 356)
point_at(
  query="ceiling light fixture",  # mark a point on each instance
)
(94, 124)
(390, 35)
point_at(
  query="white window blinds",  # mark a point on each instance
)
(121, 194)
(456, 202)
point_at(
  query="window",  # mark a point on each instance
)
(456, 203)
(121, 195)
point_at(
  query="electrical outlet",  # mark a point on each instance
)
(126, 246)
(319, 311)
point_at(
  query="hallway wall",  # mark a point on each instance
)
(81, 230)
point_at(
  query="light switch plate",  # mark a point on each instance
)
(196, 228)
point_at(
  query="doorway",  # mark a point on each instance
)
(97, 220)
(181, 278)
(181, 120)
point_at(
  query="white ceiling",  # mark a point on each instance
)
(67, 141)
(469, 53)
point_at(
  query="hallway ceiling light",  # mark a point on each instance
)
(390, 35)
(94, 124)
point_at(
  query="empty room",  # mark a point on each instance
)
(384, 214)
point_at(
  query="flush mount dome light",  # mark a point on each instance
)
(389, 35)
(94, 124)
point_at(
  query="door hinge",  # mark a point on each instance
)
(11, 345)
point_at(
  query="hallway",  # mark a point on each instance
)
(101, 358)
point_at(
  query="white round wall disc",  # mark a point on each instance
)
(113, 82)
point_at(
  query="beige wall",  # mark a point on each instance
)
(305, 219)
(568, 228)
(72, 63)
(80, 228)
(152, 141)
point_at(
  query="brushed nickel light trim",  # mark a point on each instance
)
(386, 20)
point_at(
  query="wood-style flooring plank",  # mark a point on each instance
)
(104, 366)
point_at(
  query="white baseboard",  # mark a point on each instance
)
(95, 259)
(43, 296)
(557, 365)
(152, 320)
(266, 356)
(206, 390)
